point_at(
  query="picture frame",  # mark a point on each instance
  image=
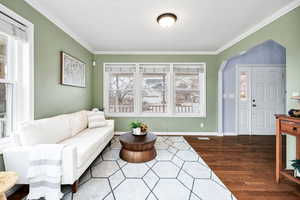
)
(73, 71)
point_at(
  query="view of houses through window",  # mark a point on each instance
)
(146, 89)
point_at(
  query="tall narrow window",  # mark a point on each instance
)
(189, 89)
(243, 86)
(121, 88)
(154, 91)
(6, 89)
(16, 97)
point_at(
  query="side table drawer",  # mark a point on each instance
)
(290, 127)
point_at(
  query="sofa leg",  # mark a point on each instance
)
(75, 186)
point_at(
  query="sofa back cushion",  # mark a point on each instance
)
(45, 131)
(78, 121)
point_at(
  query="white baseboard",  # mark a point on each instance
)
(180, 133)
(230, 134)
(247, 134)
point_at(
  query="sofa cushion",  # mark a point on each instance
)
(45, 131)
(88, 141)
(96, 119)
(78, 121)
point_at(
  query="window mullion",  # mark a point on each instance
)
(171, 90)
(137, 85)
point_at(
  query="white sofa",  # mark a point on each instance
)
(83, 145)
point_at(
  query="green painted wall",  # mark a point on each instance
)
(51, 98)
(286, 31)
(164, 123)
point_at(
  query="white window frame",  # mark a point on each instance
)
(28, 112)
(171, 93)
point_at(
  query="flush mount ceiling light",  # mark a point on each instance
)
(166, 20)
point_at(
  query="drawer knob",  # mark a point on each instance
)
(294, 128)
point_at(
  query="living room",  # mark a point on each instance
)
(149, 100)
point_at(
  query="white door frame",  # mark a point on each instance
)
(260, 66)
(220, 98)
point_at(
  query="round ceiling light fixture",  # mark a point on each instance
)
(166, 19)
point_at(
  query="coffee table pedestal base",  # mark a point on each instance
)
(137, 156)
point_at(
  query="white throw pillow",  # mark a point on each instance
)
(78, 122)
(96, 119)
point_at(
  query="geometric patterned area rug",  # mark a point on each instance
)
(177, 173)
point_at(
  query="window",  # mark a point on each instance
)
(188, 88)
(15, 76)
(6, 86)
(152, 89)
(121, 90)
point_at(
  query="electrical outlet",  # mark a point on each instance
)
(202, 125)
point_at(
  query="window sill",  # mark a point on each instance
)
(155, 115)
(6, 143)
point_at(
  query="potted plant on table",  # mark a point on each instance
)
(139, 128)
(296, 165)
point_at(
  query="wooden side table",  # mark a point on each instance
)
(291, 126)
(7, 181)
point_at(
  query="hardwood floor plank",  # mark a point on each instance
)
(246, 165)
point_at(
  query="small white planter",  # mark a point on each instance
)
(296, 173)
(136, 131)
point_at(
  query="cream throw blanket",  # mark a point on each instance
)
(45, 172)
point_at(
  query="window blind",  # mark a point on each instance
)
(13, 28)
(120, 68)
(188, 68)
(147, 68)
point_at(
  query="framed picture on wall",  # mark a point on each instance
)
(72, 71)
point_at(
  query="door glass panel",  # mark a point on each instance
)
(243, 86)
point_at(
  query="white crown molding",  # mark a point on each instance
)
(260, 25)
(155, 52)
(229, 44)
(60, 24)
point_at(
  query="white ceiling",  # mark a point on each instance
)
(130, 25)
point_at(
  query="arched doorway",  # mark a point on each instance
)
(247, 87)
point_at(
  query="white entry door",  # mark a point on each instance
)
(261, 95)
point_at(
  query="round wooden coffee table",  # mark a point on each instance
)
(137, 149)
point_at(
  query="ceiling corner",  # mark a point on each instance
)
(60, 24)
(291, 6)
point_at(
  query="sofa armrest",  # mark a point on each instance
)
(111, 123)
(17, 159)
(69, 164)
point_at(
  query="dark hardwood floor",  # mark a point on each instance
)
(246, 165)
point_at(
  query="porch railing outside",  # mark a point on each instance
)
(150, 108)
